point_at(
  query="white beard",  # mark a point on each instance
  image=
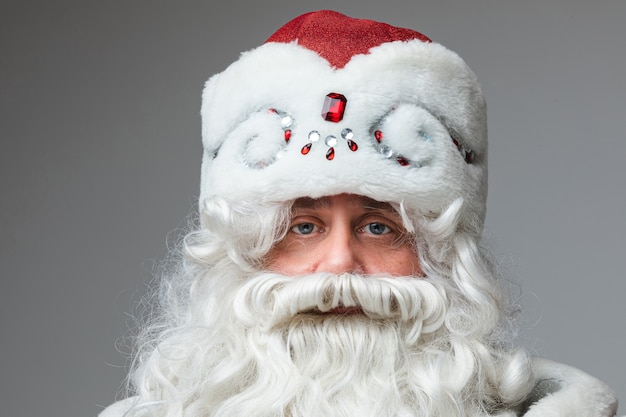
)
(275, 354)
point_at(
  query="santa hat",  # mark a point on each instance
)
(331, 104)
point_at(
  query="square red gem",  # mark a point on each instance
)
(334, 106)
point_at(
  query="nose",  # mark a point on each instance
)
(339, 253)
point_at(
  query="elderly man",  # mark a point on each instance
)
(337, 268)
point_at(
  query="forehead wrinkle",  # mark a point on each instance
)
(371, 204)
(367, 203)
(311, 203)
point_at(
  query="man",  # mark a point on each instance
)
(337, 269)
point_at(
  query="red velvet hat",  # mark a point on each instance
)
(337, 37)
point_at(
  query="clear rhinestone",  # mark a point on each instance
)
(330, 141)
(314, 136)
(347, 134)
(286, 121)
(385, 151)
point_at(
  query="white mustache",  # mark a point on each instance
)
(271, 299)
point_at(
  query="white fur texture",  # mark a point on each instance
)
(569, 392)
(416, 93)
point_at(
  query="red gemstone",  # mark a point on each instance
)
(402, 161)
(306, 148)
(378, 135)
(287, 135)
(469, 157)
(352, 145)
(334, 106)
(330, 155)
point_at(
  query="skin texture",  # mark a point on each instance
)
(344, 233)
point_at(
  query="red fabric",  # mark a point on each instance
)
(337, 37)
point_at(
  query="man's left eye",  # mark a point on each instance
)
(377, 229)
(304, 228)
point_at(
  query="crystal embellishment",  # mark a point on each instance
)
(402, 161)
(286, 121)
(334, 107)
(386, 151)
(306, 149)
(330, 141)
(314, 136)
(348, 134)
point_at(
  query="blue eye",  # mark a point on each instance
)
(303, 228)
(377, 229)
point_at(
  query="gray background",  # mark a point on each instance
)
(100, 161)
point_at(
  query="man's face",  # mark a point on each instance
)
(344, 233)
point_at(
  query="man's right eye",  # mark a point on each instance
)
(303, 228)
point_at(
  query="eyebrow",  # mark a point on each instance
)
(370, 203)
(324, 202)
(311, 203)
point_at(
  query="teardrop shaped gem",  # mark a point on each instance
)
(402, 161)
(352, 145)
(330, 155)
(287, 135)
(378, 135)
(306, 148)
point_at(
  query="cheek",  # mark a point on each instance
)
(365, 257)
(400, 262)
(290, 263)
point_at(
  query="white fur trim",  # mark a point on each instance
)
(119, 408)
(401, 88)
(563, 391)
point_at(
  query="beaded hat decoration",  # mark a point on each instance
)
(331, 104)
